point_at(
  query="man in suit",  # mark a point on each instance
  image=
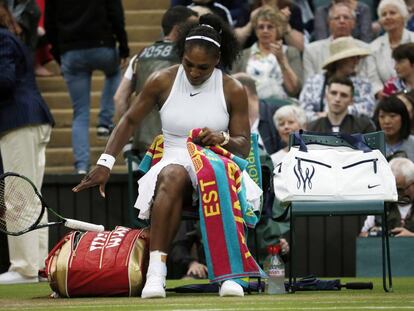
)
(339, 94)
(260, 116)
(341, 22)
(25, 127)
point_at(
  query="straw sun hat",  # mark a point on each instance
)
(342, 48)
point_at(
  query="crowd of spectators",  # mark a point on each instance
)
(345, 66)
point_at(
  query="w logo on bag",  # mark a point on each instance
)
(304, 178)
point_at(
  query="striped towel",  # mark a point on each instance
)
(224, 211)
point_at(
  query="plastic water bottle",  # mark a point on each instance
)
(275, 270)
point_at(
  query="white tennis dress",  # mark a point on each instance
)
(188, 107)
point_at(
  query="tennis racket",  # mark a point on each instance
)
(22, 208)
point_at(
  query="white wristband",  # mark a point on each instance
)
(106, 160)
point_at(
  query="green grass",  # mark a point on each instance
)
(36, 297)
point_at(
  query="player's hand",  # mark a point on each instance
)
(97, 177)
(197, 269)
(209, 137)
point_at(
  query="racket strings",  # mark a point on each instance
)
(20, 207)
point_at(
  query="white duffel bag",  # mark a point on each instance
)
(325, 173)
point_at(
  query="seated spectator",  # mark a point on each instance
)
(216, 8)
(260, 116)
(393, 15)
(361, 12)
(391, 116)
(239, 9)
(293, 36)
(201, 10)
(287, 119)
(308, 17)
(341, 21)
(343, 60)
(338, 96)
(274, 66)
(400, 216)
(404, 67)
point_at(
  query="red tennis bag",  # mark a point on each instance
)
(109, 263)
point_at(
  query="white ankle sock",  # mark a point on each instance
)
(156, 264)
(156, 256)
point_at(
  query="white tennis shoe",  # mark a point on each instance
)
(154, 287)
(13, 277)
(155, 284)
(231, 288)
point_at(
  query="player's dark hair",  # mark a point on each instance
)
(212, 27)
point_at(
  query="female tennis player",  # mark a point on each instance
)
(194, 94)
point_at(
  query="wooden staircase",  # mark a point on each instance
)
(143, 25)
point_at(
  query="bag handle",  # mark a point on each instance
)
(355, 140)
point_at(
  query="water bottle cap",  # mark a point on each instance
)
(273, 249)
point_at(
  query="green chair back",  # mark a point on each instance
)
(374, 140)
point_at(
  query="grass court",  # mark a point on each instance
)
(36, 297)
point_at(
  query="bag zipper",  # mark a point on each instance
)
(76, 238)
(311, 161)
(362, 162)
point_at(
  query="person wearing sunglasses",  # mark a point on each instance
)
(400, 215)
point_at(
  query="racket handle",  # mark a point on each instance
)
(81, 225)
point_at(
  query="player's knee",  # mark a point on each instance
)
(173, 178)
